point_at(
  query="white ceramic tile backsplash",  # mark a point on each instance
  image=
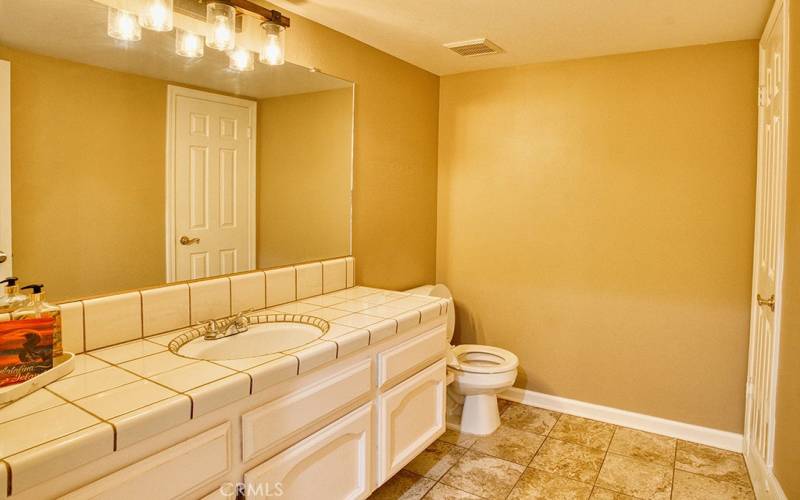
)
(72, 326)
(280, 286)
(248, 291)
(106, 321)
(112, 320)
(334, 275)
(165, 309)
(309, 280)
(210, 299)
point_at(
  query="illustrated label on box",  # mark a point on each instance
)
(26, 349)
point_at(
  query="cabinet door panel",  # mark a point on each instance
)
(333, 463)
(410, 417)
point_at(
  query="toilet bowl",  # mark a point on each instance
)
(480, 372)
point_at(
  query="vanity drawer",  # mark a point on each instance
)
(264, 428)
(174, 472)
(403, 360)
(410, 417)
(335, 462)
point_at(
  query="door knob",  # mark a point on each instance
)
(185, 240)
(770, 302)
(3, 257)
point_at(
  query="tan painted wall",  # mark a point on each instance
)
(596, 218)
(304, 163)
(87, 155)
(394, 201)
(787, 428)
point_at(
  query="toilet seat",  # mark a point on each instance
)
(474, 358)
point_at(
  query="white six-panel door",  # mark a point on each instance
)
(210, 184)
(768, 248)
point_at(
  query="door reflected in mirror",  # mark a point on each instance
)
(132, 165)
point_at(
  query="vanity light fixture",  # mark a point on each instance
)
(156, 15)
(221, 19)
(188, 44)
(122, 25)
(240, 59)
(273, 51)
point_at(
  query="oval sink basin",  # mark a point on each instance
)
(258, 340)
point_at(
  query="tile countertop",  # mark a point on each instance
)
(120, 395)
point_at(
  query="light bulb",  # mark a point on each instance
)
(156, 15)
(122, 25)
(221, 20)
(273, 51)
(241, 60)
(188, 44)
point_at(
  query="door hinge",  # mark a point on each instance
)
(762, 95)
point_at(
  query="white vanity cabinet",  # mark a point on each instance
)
(334, 463)
(337, 432)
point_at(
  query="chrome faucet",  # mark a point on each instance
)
(226, 327)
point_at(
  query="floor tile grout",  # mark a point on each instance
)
(594, 487)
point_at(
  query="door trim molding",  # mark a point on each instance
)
(657, 425)
(173, 92)
(765, 484)
(5, 163)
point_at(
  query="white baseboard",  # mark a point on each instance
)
(695, 433)
(765, 484)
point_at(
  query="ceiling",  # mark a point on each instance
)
(75, 30)
(532, 31)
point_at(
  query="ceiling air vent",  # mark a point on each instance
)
(472, 48)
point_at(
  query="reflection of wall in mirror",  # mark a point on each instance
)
(88, 148)
(303, 137)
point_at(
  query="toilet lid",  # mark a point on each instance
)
(474, 358)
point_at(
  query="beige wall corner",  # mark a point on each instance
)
(787, 425)
(596, 218)
(394, 203)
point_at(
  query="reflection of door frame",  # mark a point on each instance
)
(173, 92)
(5, 167)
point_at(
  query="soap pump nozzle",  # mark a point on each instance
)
(36, 290)
(10, 282)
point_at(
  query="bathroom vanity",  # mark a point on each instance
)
(333, 418)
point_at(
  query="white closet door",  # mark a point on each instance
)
(768, 258)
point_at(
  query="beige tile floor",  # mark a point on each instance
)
(540, 454)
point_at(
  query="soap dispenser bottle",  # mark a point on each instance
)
(38, 308)
(12, 299)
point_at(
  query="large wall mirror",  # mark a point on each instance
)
(132, 165)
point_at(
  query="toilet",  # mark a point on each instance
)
(480, 372)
